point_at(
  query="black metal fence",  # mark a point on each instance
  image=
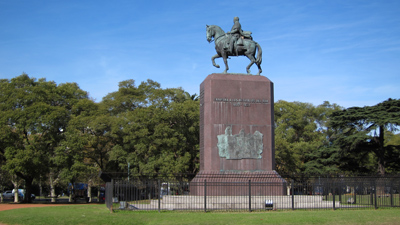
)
(176, 193)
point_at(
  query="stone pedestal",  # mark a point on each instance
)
(236, 129)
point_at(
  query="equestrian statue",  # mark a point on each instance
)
(234, 43)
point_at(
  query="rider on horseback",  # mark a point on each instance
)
(246, 47)
(235, 33)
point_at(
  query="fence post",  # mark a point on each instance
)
(249, 195)
(376, 204)
(292, 194)
(355, 196)
(205, 195)
(112, 195)
(391, 193)
(159, 195)
(333, 196)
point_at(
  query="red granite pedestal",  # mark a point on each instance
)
(237, 107)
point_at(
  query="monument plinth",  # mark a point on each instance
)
(237, 131)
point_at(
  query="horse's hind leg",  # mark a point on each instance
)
(252, 61)
(259, 68)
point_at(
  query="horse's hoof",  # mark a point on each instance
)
(248, 71)
(217, 66)
(225, 71)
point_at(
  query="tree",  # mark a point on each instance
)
(392, 143)
(34, 114)
(324, 159)
(155, 130)
(294, 135)
(160, 128)
(164, 140)
(361, 131)
(81, 147)
(302, 138)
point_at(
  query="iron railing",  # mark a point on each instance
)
(179, 193)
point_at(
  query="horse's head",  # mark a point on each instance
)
(214, 31)
(210, 33)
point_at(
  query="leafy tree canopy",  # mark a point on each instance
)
(302, 138)
(361, 131)
(34, 114)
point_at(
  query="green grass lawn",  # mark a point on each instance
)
(99, 214)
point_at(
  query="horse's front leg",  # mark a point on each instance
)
(213, 60)
(225, 57)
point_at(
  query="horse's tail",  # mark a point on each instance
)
(259, 54)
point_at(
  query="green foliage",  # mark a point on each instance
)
(155, 130)
(302, 138)
(361, 137)
(55, 129)
(34, 114)
(160, 129)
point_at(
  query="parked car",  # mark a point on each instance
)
(21, 193)
(8, 194)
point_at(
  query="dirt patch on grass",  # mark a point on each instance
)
(9, 206)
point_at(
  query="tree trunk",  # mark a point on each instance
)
(380, 187)
(52, 187)
(16, 194)
(16, 184)
(89, 192)
(98, 194)
(381, 150)
(40, 188)
(28, 190)
(28, 187)
(1, 193)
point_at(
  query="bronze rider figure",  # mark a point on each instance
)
(235, 33)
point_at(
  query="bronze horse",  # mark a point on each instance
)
(247, 49)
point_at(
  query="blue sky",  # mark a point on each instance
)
(342, 51)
